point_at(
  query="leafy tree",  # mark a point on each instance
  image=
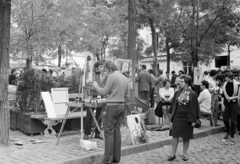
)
(102, 23)
(30, 19)
(197, 19)
(147, 12)
(228, 33)
(118, 48)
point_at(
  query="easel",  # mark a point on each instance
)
(100, 116)
(81, 105)
(76, 105)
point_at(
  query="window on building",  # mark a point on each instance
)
(187, 67)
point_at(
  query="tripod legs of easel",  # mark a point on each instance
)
(96, 122)
(63, 123)
(99, 118)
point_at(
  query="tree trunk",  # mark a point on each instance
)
(168, 55)
(29, 62)
(97, 55)
(132, 40)
(5, 17)
(30, 54)
(104, 46)
(59, 55)
(154, 46)
(228, 58)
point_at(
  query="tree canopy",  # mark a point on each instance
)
(184, 29)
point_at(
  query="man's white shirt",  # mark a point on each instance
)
(204, 100)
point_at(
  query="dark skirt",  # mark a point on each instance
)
(180, 126)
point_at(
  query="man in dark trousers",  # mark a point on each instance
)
(174, 76)
(98, 68)
(144, 83)
(152, 101)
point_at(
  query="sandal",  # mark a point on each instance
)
(171, 158)
(185, 158)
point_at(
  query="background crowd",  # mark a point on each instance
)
(181, 103)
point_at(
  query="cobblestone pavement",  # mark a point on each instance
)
(31, 152)
(206, 150)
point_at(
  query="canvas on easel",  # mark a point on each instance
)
(88, 74)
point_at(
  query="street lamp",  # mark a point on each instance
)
(157, 35)
(156, 56)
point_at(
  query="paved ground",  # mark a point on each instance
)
(206, 150)
(31, 152)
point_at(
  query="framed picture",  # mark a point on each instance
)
(197, 75)
(124, 65)
(137, 129)
(59, 98)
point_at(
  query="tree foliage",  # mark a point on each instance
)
(55, 28)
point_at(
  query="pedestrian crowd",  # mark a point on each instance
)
(215, 94)
(175, 99)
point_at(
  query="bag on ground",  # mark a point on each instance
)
(88, 145)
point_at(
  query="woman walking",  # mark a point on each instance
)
(184, 113)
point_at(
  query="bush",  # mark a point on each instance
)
(32, 82)
(71, 82)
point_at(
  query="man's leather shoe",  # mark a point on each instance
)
(171, 158)
(98, 136)
(85, 137)
(226, 136)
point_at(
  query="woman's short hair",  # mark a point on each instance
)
(205, 73)
(97, 64)
(187, 79)
(110, 65)
(13, 70)
(220, 77)
(205, 83)
(165, 82)
(181, 71)
(150, 71)
(229, 74)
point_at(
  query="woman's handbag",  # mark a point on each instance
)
(158, 110)
(151, 117)
(198, 123)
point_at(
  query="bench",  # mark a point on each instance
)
(56, 108)
(50, 122)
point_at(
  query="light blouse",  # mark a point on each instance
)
(166, 92)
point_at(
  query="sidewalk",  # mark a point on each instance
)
(68, 150)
